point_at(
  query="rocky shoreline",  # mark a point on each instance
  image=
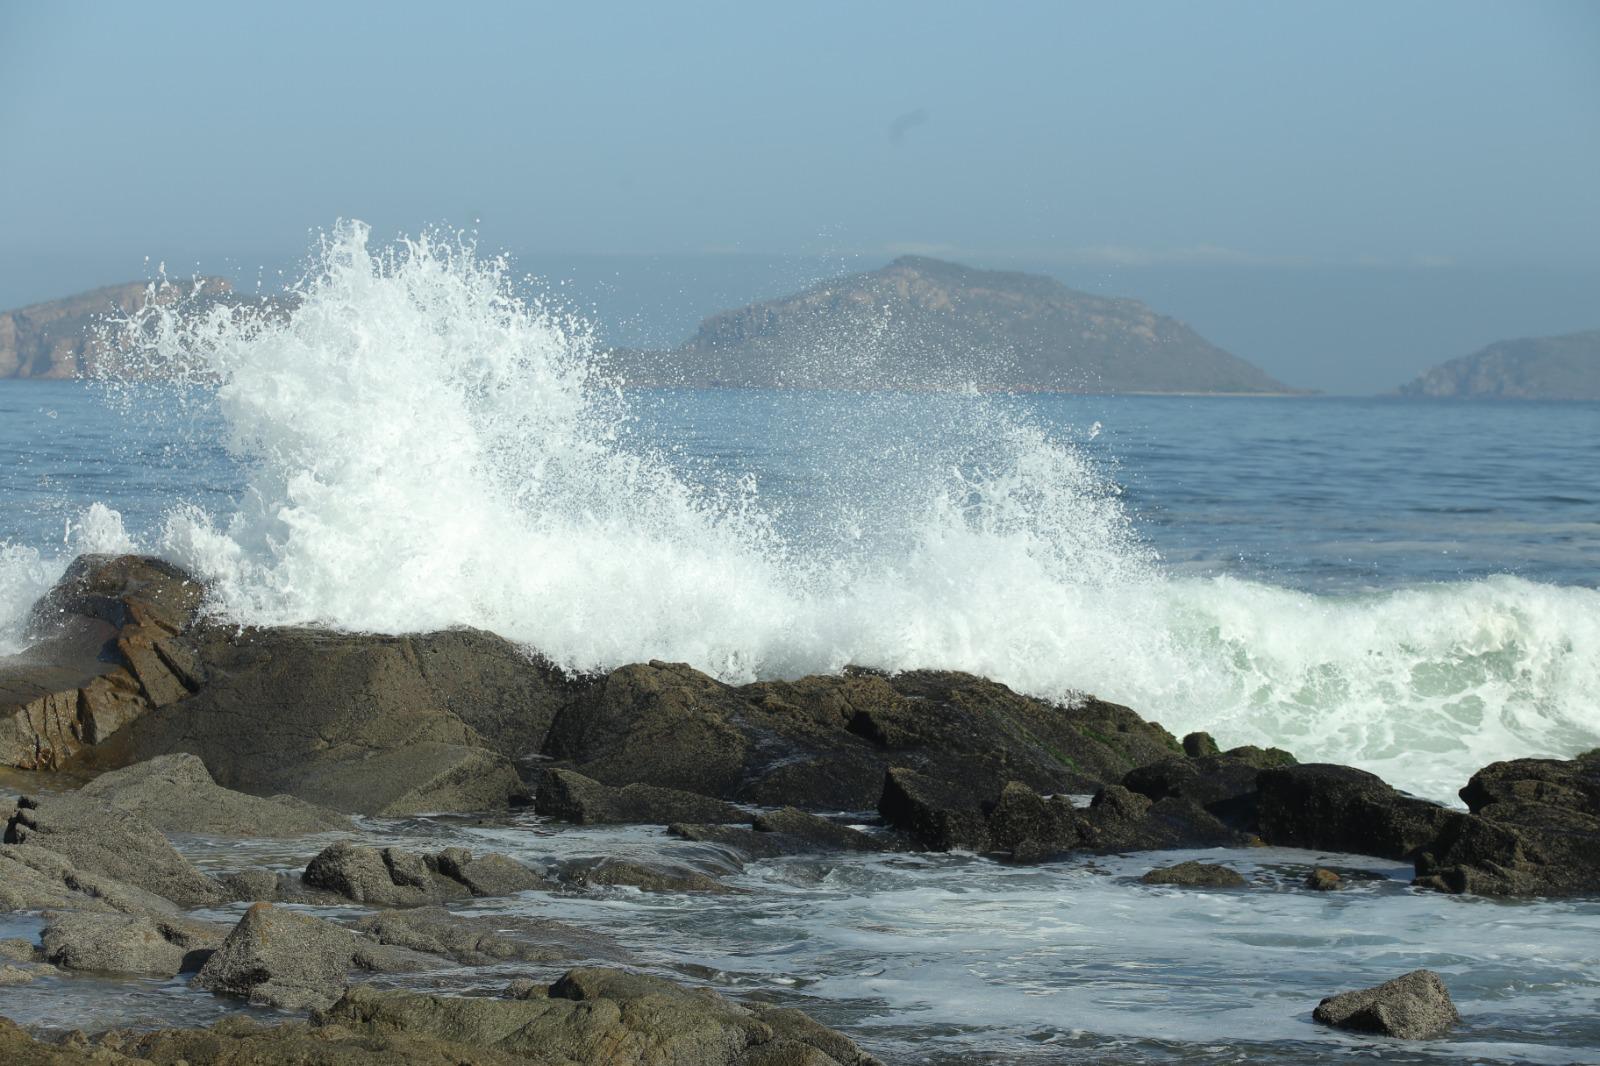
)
(180, 726)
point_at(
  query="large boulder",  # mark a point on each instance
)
(281, 958)
(1533, 830)
(825, 742)
(1118, 820)
(176, 794)
(1415, 1006)
(937, 814)
(109, 647)
(99, 839)
(1339, 808)
(358, 723)
(159, 946)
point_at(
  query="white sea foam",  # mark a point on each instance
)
(425, 450)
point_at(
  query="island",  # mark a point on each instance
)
(926, 323)
(1566, 367)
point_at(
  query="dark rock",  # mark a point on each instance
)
(357, 723)
(1413, 1007)
(1338, 808)
(1533, 830)
(1119, 820)
(825, 742)
(1196, 745)
(281, 958)
(176, 794)
(939, 816)
(1223, 783)
(741, 842)
(812, 833)
(1195, 875)
(1324, 880)
(96, 838)
(489, 941)
(128, 944)
(582, 800)
(645, 876)
(1031, 827)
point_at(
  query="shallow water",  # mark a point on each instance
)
(952, 958)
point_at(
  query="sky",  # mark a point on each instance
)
(1343, 193)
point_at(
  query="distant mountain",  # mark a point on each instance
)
(1534, 368)
(922, 322)
(58, 340)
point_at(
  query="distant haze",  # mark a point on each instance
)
(1343, 194)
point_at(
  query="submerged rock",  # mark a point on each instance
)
(176, 794)
(1195, 875)
(1533, 830)
(1323, 880)
(646, 876)
(1415, 1006)
(487, 941)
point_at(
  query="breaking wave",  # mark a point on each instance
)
(423, 449)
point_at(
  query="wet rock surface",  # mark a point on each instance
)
(1339, 808)
(1195, 875)
(1415, 1006)
(1533, 830)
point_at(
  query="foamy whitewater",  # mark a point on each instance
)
(423, 449)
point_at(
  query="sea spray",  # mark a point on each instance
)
(421, 449)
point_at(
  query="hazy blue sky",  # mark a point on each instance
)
(1157, 149)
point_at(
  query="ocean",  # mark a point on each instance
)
(1408, 587)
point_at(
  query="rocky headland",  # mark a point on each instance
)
(59, 338)
(136, 721)
(1532, 368)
